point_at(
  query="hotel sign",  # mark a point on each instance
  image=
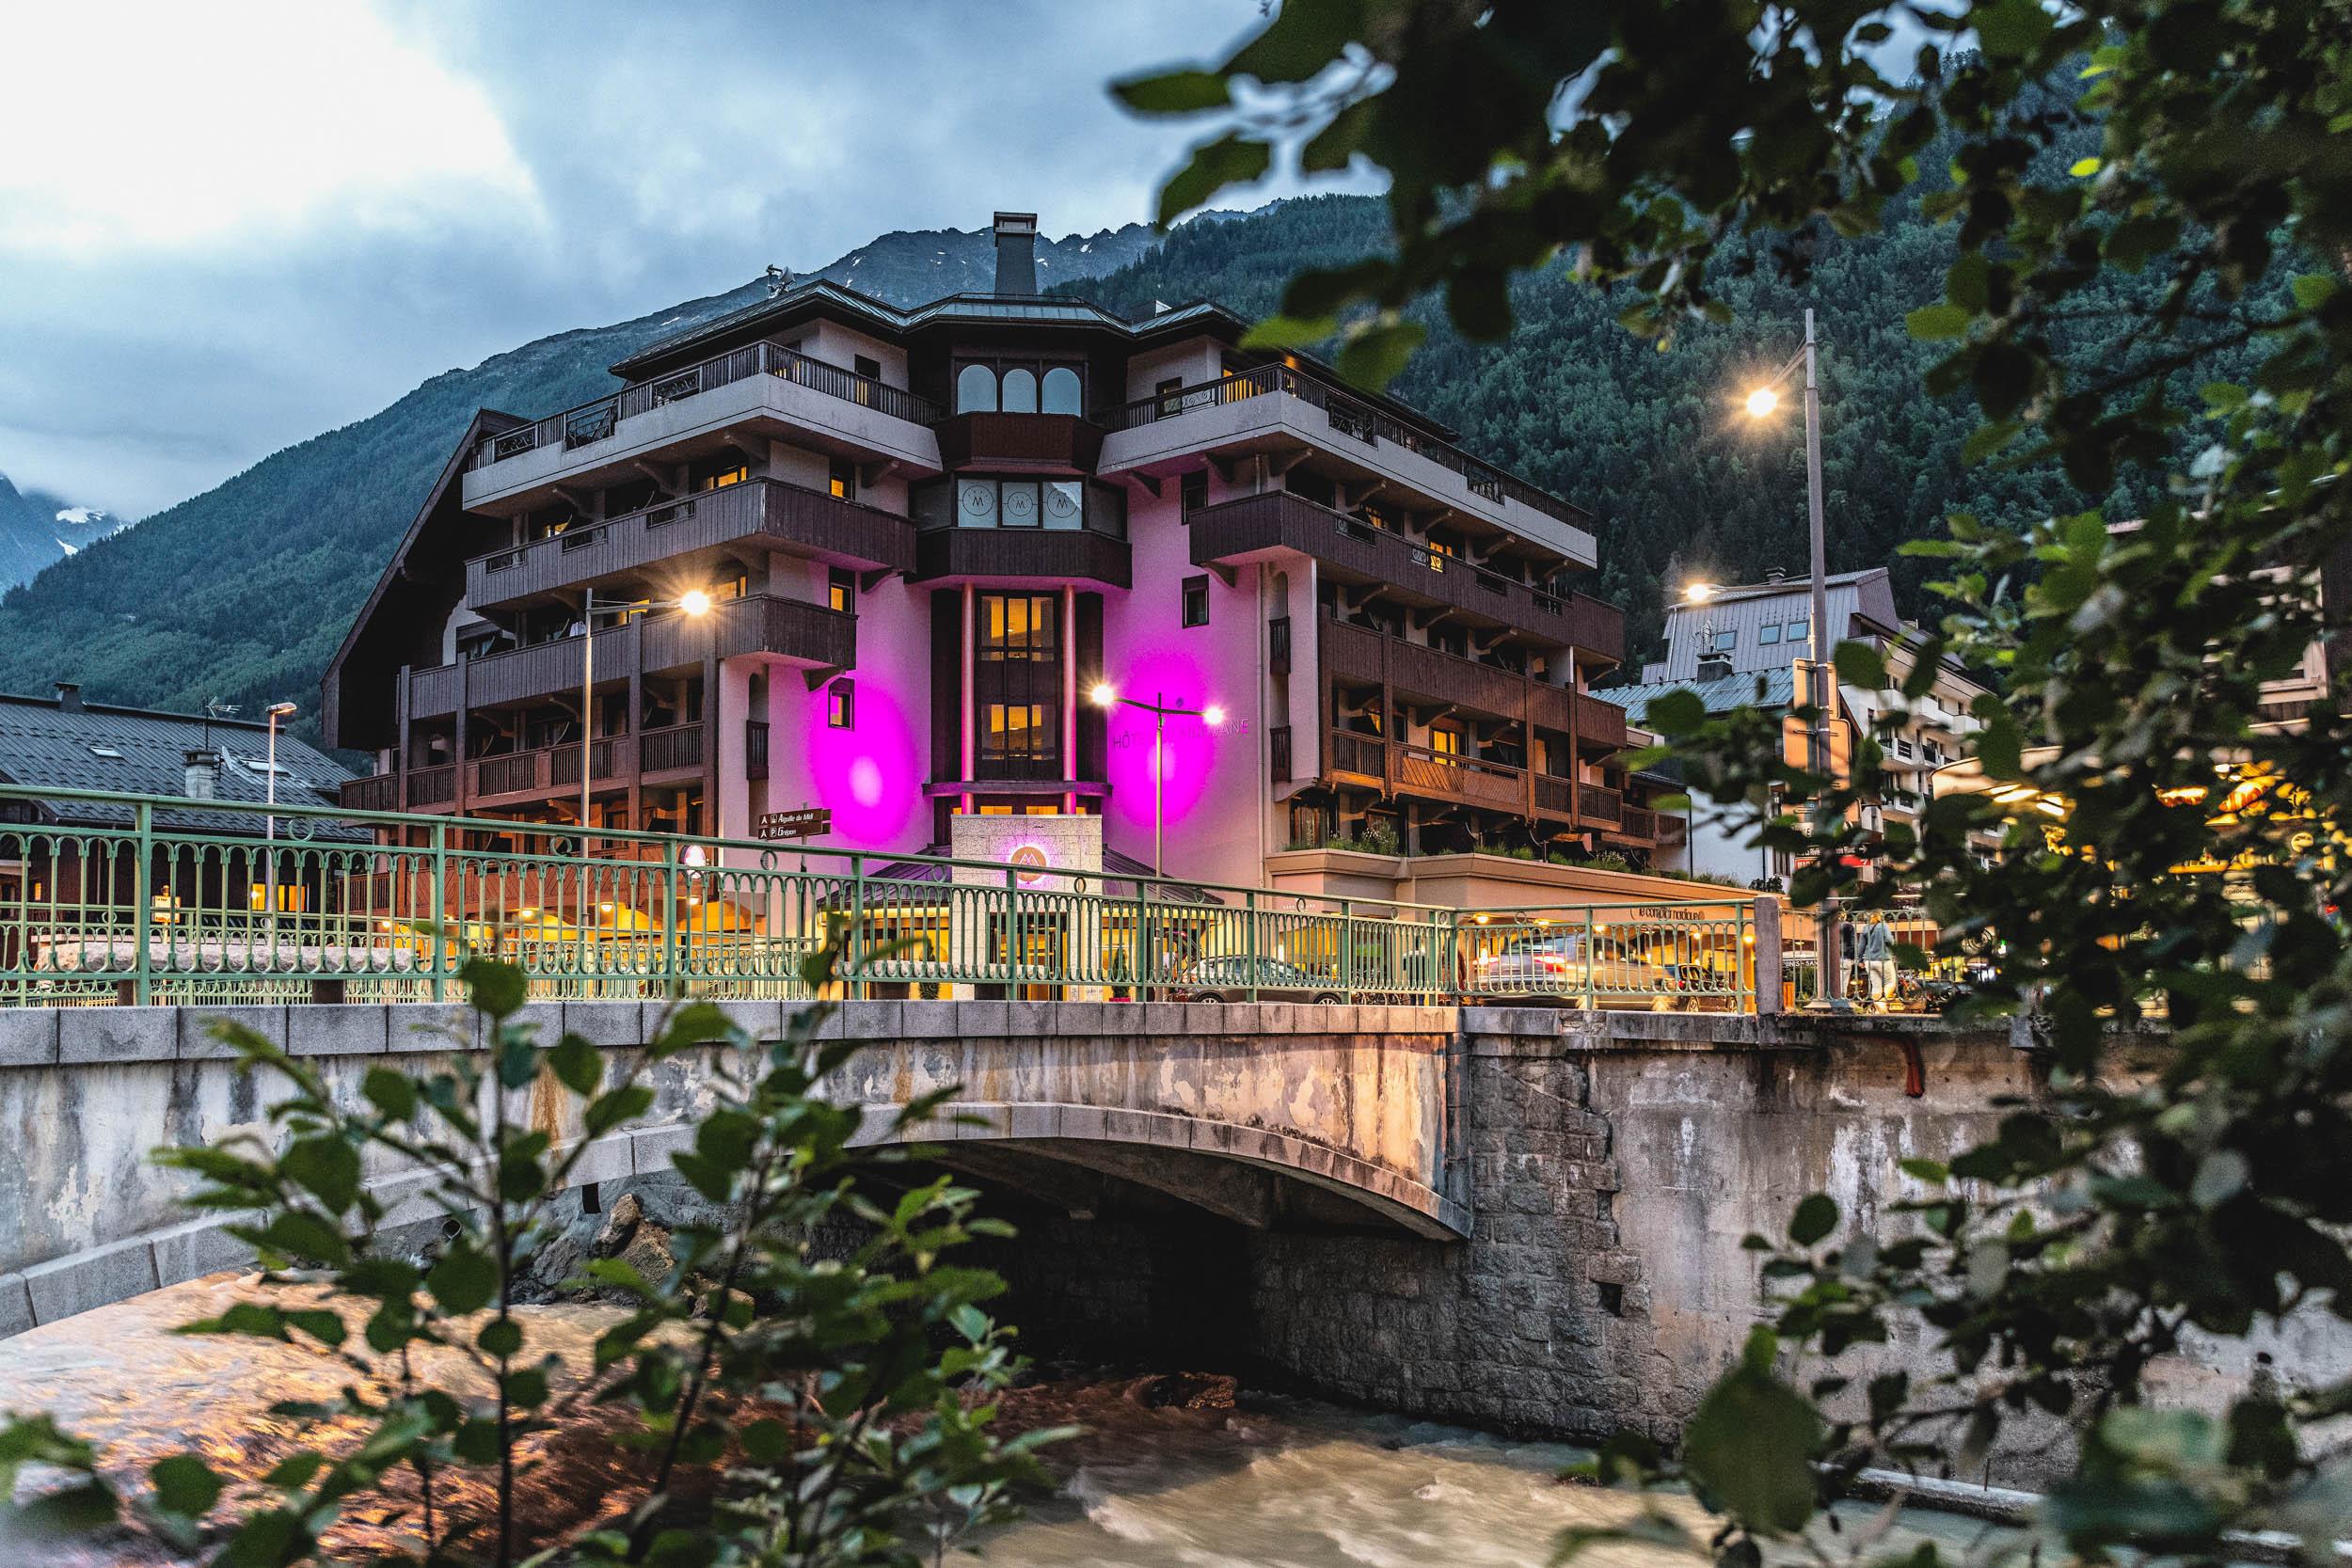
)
(808, 822)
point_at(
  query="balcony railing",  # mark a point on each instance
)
(1277, 642)
(668, 750)
(808, 520)
(433, 786)
(1398, 766)
(1278, 739)
(1279, 519)
(755, 749)
(1599, 803)
(379, 792)
(592, 422)
(1350, 417)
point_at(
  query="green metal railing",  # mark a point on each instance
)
(179, 900)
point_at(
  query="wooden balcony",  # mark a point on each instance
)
(1394, 768)
(791, 630)
(1354, 552)
(1368, 658)
(953, 554)
(1021, 443)
(380, 792)
(765, 514)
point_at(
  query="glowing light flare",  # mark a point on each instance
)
(1762, 402)
(1214, 716)
(1104, 694)
(694, 602)
(1698, 592)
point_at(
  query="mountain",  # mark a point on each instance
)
(39, 529)
(244, 591)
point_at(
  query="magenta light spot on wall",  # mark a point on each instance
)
(869, 775)
(1189, 767)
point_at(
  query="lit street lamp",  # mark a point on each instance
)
(269, 819)
(1762, 403)
(694, 602)
(1106, 696)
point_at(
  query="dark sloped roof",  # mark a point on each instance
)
(1765, 689)
(43, 744)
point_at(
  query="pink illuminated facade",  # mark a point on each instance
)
(929, 535)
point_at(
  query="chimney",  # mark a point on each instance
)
(1714, 665)
(1016, 253)
(203, 775)
(68, 697)
(1773, 574)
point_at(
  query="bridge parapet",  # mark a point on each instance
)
(1244, 1110)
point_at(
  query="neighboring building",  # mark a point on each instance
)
(1722, 644)
(55, 888)
(931, 532)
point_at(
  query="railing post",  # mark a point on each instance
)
(1012, 932)
(1250, 913)
(1347, 949)
(1768, 966)
(672, 979)
(441, 904)
(1588, 958)
(142, 884)
(1142, 943)
(853, 947)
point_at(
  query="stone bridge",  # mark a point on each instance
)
(1524, 1218)
(1258, 1115)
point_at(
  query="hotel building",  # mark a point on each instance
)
(928, 536)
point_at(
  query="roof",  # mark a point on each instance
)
(1114, 863)
(129, 751)
(1762, 689)
(1736, 621)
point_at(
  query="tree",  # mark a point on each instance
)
(788, 1407)
(2200, 865)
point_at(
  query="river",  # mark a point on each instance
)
(1175, 1470)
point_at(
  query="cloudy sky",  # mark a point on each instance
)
(227, 226)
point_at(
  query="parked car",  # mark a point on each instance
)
(1230, 980)
(1623, 973)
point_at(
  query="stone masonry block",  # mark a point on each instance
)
(93, 1278)
(1078, 1020)
(28, 1037)
(196, 1042)
(117, 1035)
(545, 1019)
(1163, 1018)
(874, 1021)
(430, 1026)
(339, 1031)
(930, 1019)
(197, 1248)
(606, 1024)
(983, 1020)
(16, 1306)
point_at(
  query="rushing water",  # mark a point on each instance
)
(1175, 1470)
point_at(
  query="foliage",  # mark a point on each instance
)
(786, 1407)
(2160, 315)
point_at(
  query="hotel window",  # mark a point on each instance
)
(1439, 550)
(1724, 642)
(1016, 731)
(1018, 504)
(1064, 391)
(1195, 489)
(734, 583)
(1797, 632)
(841, 480)
(840, 588)
(976, 391)
(1018, 387)
(1768, 633)
(1166, 391)
(1065, 503)
(841, 705)
(1017, 391)
(713, 473)
(1446, 744)
(1196, 601)
(1019, 628)
(869, 368)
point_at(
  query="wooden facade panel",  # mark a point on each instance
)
(1081, 554)
(1032, 443)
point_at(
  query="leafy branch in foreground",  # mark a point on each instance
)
(2162, 837)
(783, 1406)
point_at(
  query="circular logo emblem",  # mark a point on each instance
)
(1030, 856)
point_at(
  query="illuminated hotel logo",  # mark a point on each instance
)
(1027, 855)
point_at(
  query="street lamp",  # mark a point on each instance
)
(694, 602)
(1761, 402)
(1104, 695)
(269, 819)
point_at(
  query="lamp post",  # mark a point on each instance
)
(1161, 710)
(694, 602)
(269, 819)
(1761, 402)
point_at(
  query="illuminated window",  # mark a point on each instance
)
(995, 809)
(1196, 601)
(719, 479)
(841, 705)
(1439, 550)
(1016, 731)
(1020, 627)
(1447, 744)
(840, 588)
(1041, 811)
(841, 480)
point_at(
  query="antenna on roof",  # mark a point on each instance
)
(216, 708)
(779, 279)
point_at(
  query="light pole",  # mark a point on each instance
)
(269, 819)
(1760, 404)
(694, 602)
(1106, 696)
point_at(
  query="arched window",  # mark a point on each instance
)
(976, 391)
(1061, 390)
(1020, 391)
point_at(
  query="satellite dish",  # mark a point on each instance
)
(779, 279)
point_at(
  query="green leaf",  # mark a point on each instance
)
(577, 1065)
(1674, 713)
(1232, 159)
(1815, 1218)
(464, 1280)
(2220, 1176)
(1373, 355)
(1859, 664)
(1930, 321)
(390, 1092)
(1749, 1445)
(2009, 30)
(1174, 93)
(2312, 289)
(494, 987)
(185, 1485)
(326, 1166)
(2084, 167)
(499, 1336)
